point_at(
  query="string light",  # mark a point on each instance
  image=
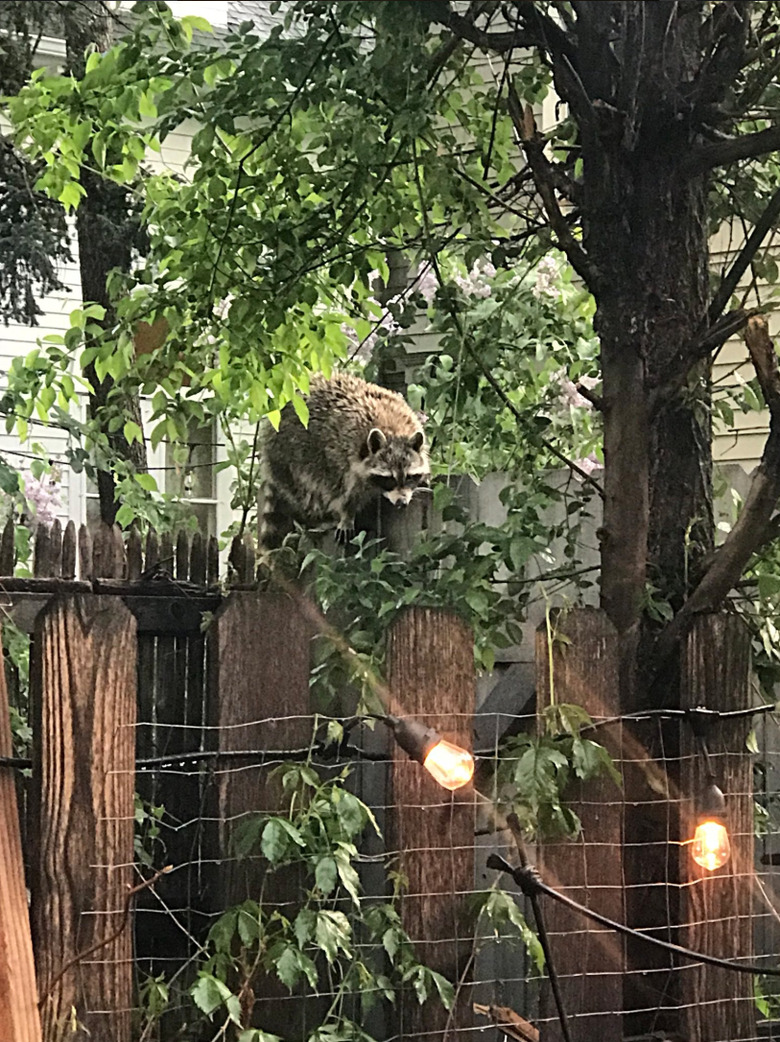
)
(710, 847)
(448, 764)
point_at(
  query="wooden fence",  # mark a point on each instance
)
(124, 674)
(127, 683)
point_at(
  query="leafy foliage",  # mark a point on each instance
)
(335, 942)
(534, 771)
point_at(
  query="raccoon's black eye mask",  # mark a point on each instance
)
(383, 481)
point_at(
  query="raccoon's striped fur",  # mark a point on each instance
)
(362, 442)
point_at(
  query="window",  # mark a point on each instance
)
(185, 471)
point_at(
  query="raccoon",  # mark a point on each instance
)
(362, 442)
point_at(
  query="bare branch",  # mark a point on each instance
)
(741, 263)
(696, 351)
(728, 53)
(723, 153)
(533, 146)
(754, 523)
(465, 29)
(764, 359)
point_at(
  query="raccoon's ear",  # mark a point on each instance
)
(417, 441)
(374, 442)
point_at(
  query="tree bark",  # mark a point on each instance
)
(645, 233)
(105, 242)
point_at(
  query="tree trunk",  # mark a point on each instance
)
(105, 242)
(645, 232)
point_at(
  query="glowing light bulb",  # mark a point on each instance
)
(711, 848)
(451, 766)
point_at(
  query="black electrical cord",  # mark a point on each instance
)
(530, 882)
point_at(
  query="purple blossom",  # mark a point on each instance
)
(42, 496)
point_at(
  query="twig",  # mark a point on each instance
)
(533, 146)
(754, 519)
(434, 258)
(80, 956)
(282, 114)
(752, 244)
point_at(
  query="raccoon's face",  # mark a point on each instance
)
(396, 467)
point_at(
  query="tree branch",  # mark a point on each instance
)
(723, 153)
(727, 54)
(755, 519)
(465, 29)
(742, 261)
(696, 351)
(485, 370)
(533, 146)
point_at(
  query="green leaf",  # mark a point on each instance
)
(71, 195)
(304, 925)
(194, 21)
(325, 874)
(278, 836)
(209, 993)
(147, 482)
(333, 934)
(132, 432)
(301, 409)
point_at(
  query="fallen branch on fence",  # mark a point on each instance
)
(80, 956)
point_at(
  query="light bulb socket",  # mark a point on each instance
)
(711, 802)
(413, 736)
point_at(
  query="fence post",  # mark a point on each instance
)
(430, 668)
(19, 1018)
(715, 910)
(577, 662)
(84, 694)
(259, 655)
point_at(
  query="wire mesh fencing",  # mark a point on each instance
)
(223, 862)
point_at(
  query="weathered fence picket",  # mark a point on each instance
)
(430, 669)
(19, 1019)
(84, 698)
(716, 906)
(259, 649)
(577, 662)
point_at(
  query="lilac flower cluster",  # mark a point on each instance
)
(588, 464)
(477, 282)
(569, 393)
(42, 496)
(547, 275)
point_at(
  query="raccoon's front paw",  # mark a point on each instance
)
(345, 531)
